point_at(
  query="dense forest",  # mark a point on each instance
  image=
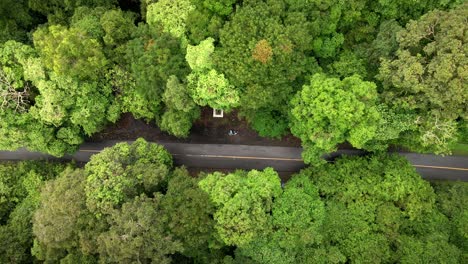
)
(129, 204)
(370, 73)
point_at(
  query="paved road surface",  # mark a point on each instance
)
(284, 159)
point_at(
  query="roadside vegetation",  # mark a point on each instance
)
(367, 73)
(130, 204)
(362, 73)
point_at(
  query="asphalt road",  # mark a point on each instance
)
(283, 159)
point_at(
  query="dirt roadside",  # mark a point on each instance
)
(206, 130)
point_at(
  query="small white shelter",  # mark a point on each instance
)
(218, 113)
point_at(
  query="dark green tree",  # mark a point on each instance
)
(20, 185)
(58, 11)
(60, 222)
(15, 20)
(181, 110)
(138, 233)
(297, 219)
(451, 199)
(151, 58)
(190, 213)
(378, 209)
(427, 77)
(264, 53)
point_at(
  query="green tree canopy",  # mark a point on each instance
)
(297, 219)
(451, 200)
(428, 75)
(206, 85)
(20, 187)
(138, 233)
(330, 111)
(379, 209)
(181, 110)
(121, 172)
(151, 57)
(178, 123)
(73, 91)
(57, 11)
(207, 18)
(213, 89)
(170, 14)
(263, 53)
(199, 57)
(243, 202)
(190, 211)
(22, 81)
(61, 219)
(70, 52)
(15, 20)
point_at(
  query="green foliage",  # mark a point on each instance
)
(177, 97)
(88, 20)
(297, 218)
(359, 209)
(451, 200)
(146, 225)
(20, 185)
(15, 20)
(124, 171)
(463, 131)
(299, 213)
(265, 52)
(202, 24)
(385, 44)
(348, 64)
(73, 92)
(137, 233)
(178, 123)
(190, 211)
(391, 127)
(219, 7)
(199, 57)
(63, 100)
(378, 209)
(19, 131)
(22, 78)
(128, 99)
(58, 222)
(114, 27)
(206, 85)
(181, 110)
(90, 62)
(427, 74)
(118, 26)
(213, 89)
(18, 180)
(70, 52)
(170, 14)
(207, 18)
(152, 57)
(57, 11)
(269, 123)
(243, 201)
(330, 111)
